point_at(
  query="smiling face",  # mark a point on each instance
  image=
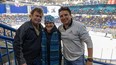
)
(65, 17)
(49, 26)
(36, 17)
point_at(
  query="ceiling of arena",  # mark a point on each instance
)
(52, 2)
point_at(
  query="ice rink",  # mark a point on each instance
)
(103, 47)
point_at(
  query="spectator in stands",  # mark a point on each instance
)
(73, 34)
(1, 31)
(51, 43)
(27, 41)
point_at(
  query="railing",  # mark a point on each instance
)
(7, 38)
(101, 63)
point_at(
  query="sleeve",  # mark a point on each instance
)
(17, 45)
(84, 36)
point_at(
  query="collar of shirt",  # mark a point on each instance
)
(36, 29)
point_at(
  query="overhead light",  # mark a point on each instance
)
(16, 1)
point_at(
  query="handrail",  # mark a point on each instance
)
(103, 63)
(7, 27)
(4, 48)
(6, 53)
(6, 38)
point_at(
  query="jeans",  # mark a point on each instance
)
(36, 61)
(79, 61)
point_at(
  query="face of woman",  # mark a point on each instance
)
(49, 26)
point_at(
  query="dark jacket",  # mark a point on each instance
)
(27, 44)
(51, 47)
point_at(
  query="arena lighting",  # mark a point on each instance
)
(26, 1)
(16, 3)
(75, 2)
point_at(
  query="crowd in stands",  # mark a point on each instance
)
(7, 32)
(94, 9)
(13, 19)
(94, 12)
(105, 24)
(91, 21)
(98, 21)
